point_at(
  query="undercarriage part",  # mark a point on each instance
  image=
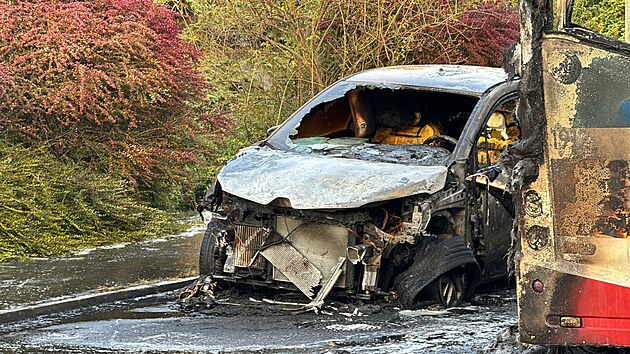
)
(318, 301)
(371, 260)
(370, 277)
(387, 238)
(357, 253)
(228, 267)
(320, 243)
(199, 294)
(293, 265)
(431, 263)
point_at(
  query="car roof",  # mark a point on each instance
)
(466, 79)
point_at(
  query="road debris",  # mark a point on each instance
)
(199, 294)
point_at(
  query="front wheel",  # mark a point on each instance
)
(449, 289)
(208, 253)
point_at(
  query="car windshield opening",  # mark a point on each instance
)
(383, 124)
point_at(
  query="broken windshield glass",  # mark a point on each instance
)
(378, 123)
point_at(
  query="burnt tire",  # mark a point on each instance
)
(209, 252)
(417, 283)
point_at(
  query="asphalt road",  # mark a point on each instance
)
(244, 323)
(24, 282)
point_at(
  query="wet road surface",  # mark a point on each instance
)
(242, 323)
(156, 324)
(36, 280)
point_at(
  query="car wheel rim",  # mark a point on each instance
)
(451, 289)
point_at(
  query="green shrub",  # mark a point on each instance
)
(106, 83)
(49, 207)
(603, 16)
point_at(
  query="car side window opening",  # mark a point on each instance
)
(499, 131)
(383, 117)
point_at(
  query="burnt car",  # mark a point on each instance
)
(385, 184)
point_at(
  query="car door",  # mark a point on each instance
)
(491, 202)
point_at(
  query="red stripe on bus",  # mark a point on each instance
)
(605, 312)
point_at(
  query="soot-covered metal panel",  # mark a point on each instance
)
(315, 182)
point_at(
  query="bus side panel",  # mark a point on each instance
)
(598, 310)
(574, 273)
(605, 314)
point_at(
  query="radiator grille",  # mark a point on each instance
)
(248, 240)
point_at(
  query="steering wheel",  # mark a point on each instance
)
(449, 140)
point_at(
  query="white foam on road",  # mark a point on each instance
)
(352, 327)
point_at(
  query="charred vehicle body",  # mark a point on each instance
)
(376, 187)
(573, 207)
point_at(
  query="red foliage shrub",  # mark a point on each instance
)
(478, 36)
(103, 81)
(6, 86)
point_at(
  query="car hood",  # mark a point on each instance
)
(263, 175)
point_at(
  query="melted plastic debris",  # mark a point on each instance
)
(423, 312)
(356, 312)
(199, 294)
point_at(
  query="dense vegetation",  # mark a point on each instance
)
(49, 207)
(603, 16)
(114, 114)
(265, 58)
(101, 123)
